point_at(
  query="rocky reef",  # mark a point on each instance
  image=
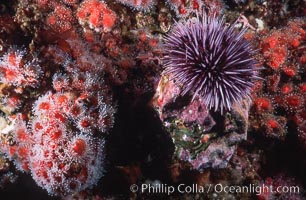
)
(152, 99)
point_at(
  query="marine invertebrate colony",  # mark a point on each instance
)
(62, 161)
(97, 15)
(282, 98)
(143, 5)
(211, 61)
(15, 69)
(56, 142)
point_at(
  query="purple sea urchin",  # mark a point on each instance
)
(210, 60)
